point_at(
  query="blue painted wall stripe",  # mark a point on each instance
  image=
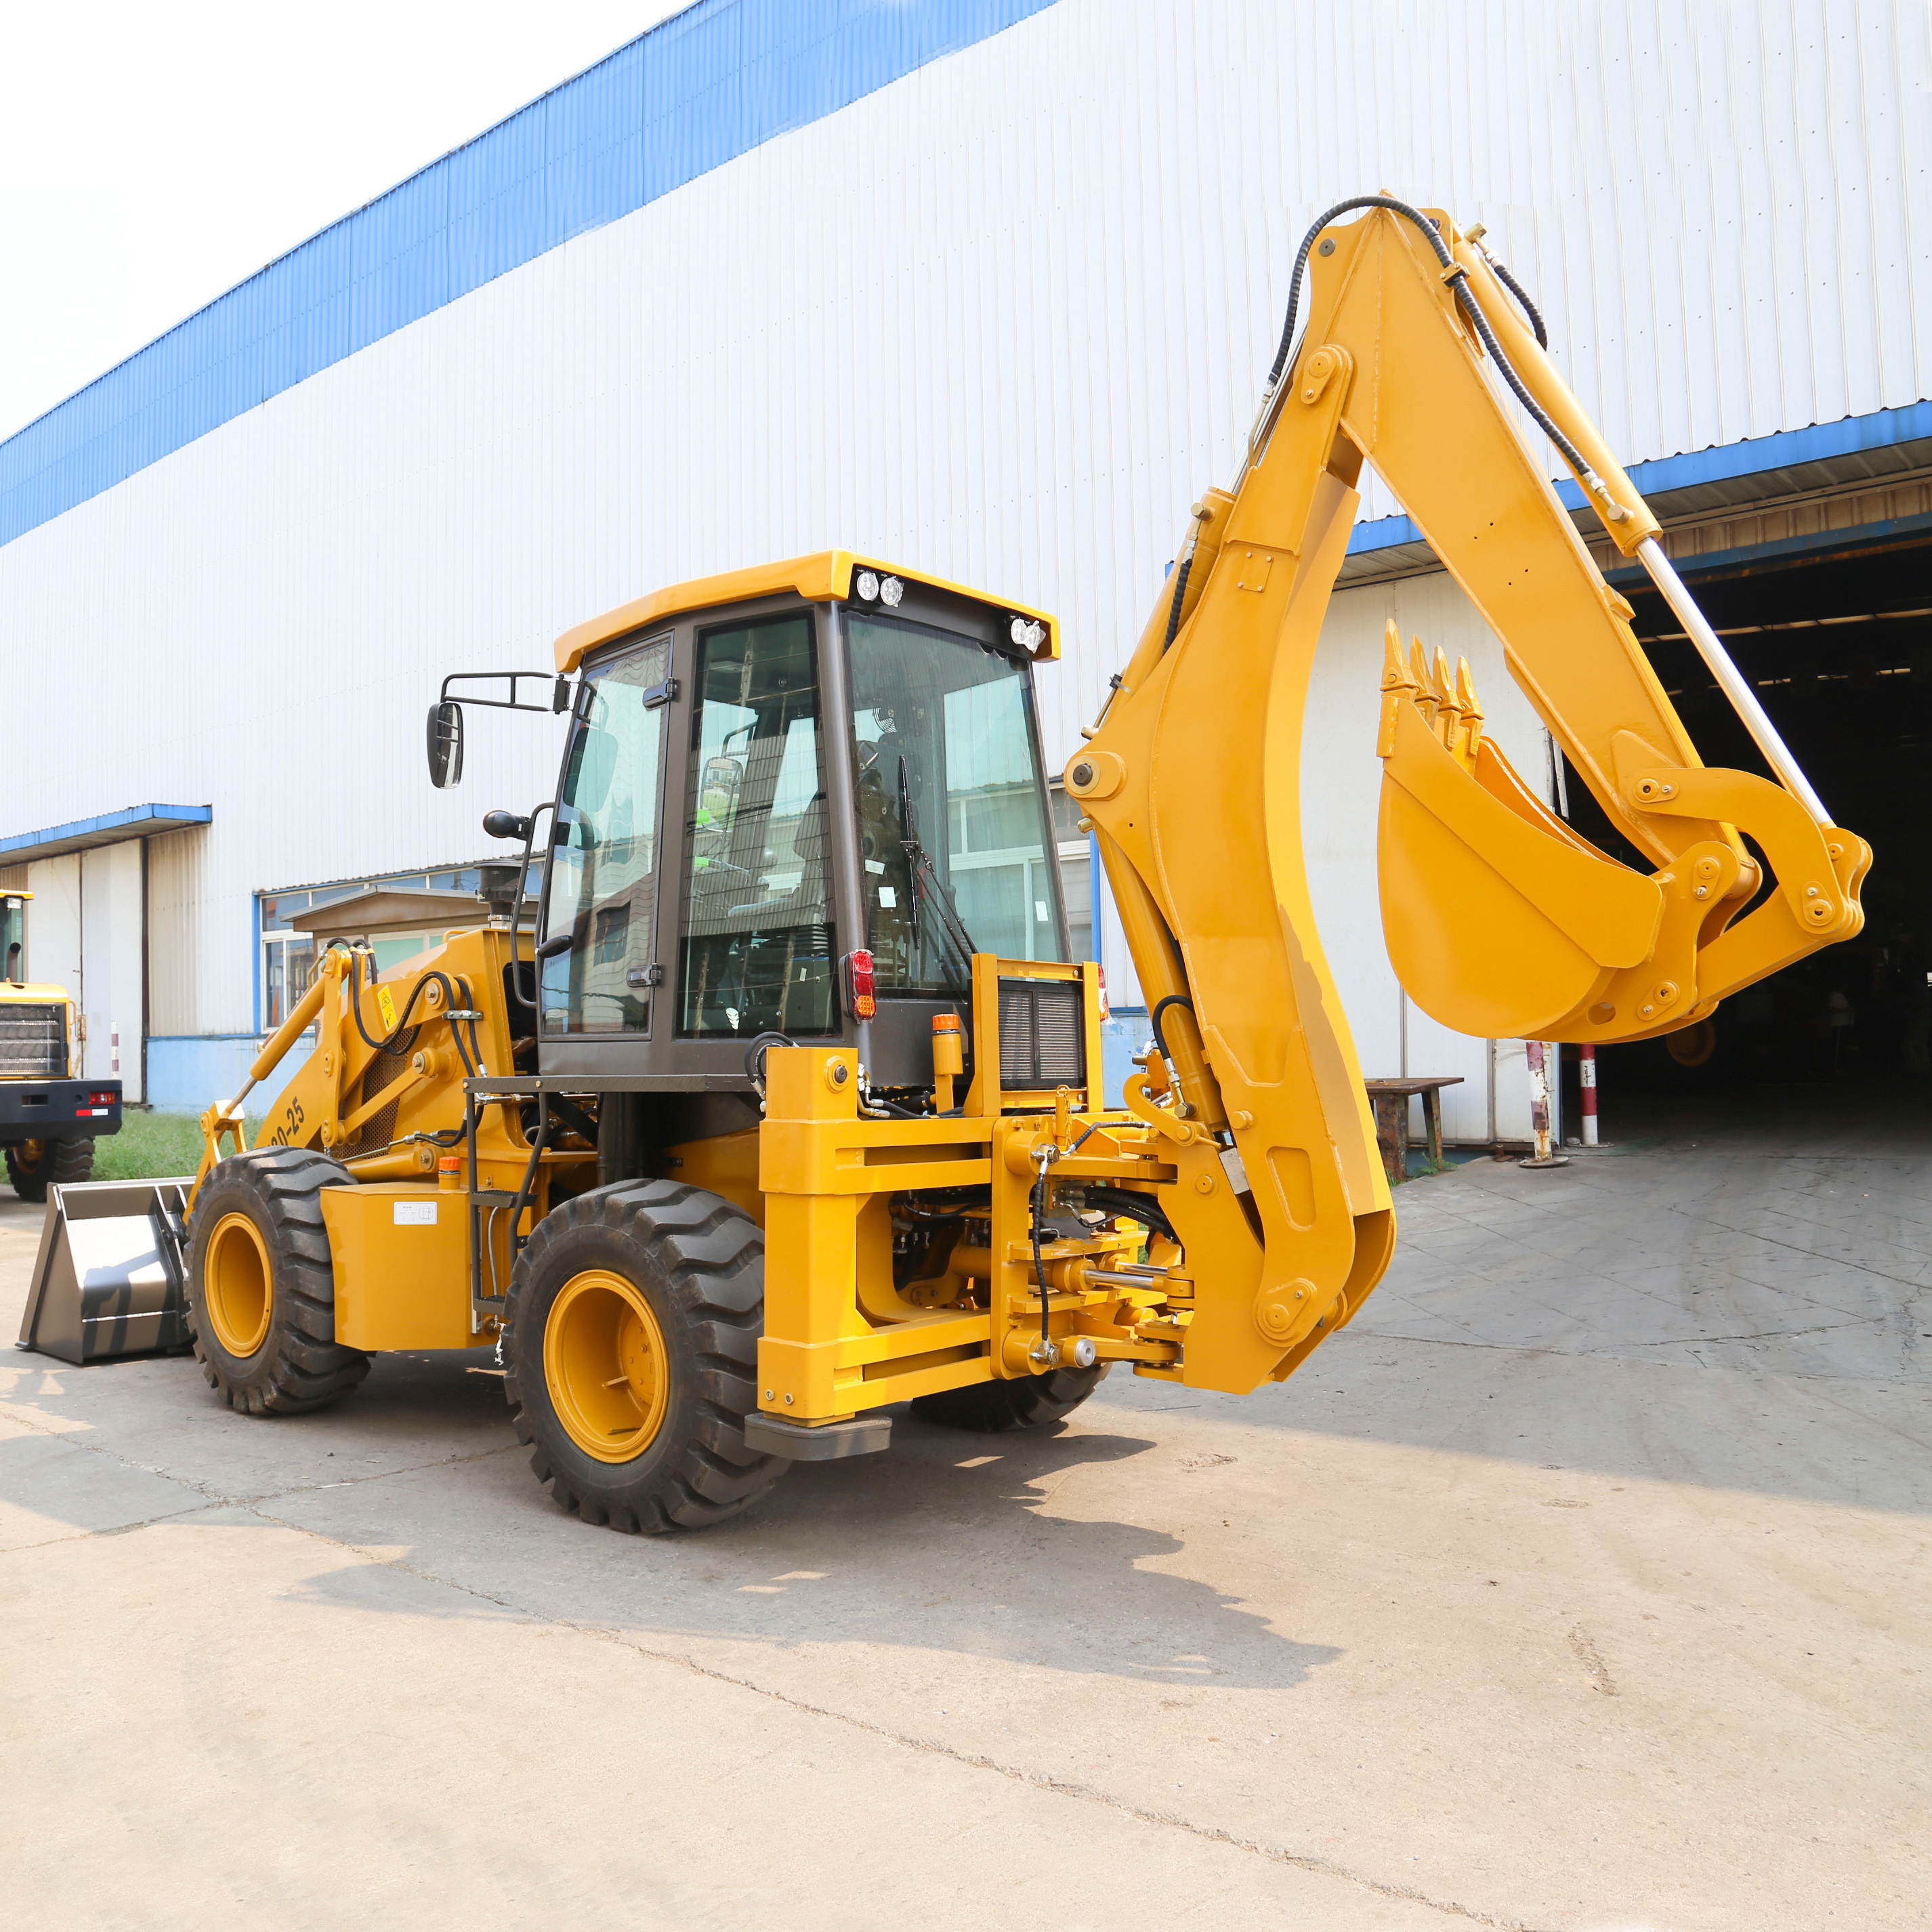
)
(696, 91)
(1751, 458)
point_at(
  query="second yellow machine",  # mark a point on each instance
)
(787, 1106)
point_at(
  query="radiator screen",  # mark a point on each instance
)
(1042, 1034)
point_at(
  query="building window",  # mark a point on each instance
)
(1076, 851)
(287, 961)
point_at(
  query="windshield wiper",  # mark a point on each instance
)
(926, 883)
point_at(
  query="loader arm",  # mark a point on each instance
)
(1501, 921)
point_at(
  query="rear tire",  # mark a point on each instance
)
(1024, 1402)
(34, 1166)
(666, 1284)
(261, 1284)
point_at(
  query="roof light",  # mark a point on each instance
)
(867, 585)
(1026, 633)
(890, 591)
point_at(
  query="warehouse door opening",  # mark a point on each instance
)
(1839, 648)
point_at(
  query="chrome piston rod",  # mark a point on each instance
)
(1730, 680)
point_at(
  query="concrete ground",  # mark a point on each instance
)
(1582, 1583)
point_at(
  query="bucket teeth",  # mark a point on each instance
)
(1395, 673)
(1426, 700)
(1399, 688)
(1446, 699)
(1448, 711)
(1471, 708)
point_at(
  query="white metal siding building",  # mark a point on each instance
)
(985, 287)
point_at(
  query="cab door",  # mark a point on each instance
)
(601, 967)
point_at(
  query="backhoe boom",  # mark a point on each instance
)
(1500, 921)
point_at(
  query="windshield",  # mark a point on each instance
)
(953, 836)
(758, 922)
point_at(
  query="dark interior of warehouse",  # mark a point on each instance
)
(1836, 646)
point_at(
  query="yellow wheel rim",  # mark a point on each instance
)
(28, 1155)
(237, 1286)
(605, 1367)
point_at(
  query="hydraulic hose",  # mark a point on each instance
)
(1047, 1155)
(1458, 277)
(449, 993)
(1153, 1019)
(1522, 294)
(1173, 610)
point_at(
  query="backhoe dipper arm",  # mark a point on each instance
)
(1501, 921)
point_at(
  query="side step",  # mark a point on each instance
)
(111, 1276)
(773, 1436)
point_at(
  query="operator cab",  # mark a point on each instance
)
(769, 777)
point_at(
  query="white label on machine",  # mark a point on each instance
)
(889, 898)
(415, 1213)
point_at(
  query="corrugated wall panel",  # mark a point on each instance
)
(1001, 319)
(707, 84)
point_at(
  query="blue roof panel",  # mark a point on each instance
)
(698, 90)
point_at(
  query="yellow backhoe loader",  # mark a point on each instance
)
(49, 1116)
(792, 1109)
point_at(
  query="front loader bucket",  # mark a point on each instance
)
(110, 1277)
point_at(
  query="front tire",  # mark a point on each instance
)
(631, 1349)
(261, 1284)
(1022, 1401)
(34, 1166)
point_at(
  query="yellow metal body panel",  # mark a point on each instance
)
(839, 1337)
(824, 575)
(1500, 921)
(1248, 1134)
(401, 1252)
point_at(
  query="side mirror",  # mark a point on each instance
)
(445, 745)
(506, 825)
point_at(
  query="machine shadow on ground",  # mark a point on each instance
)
(1737, 1295)
(942, 1544)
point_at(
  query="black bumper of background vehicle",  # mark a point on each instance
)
(57, 1110)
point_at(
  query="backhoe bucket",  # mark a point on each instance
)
(1500, 920)
(110, 1277)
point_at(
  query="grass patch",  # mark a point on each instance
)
(153, 1147)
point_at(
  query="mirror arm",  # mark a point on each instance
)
(559, 698)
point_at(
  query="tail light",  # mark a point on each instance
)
(861, 983)
(103, 1099)
(1100, 972)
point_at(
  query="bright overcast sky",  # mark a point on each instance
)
(152, 156)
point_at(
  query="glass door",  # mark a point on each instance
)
(601, 910)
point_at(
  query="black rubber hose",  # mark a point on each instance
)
(1039, 1259)
(754, 1056)
(1522, 294)
(1174, 609)
(524, 1193)
(402, 1025)
(1124, 1203)
(1567, 450)
(1153, 1019)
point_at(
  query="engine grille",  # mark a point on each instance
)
(385, 1070)
(1043, 1034)
(33, 1040)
